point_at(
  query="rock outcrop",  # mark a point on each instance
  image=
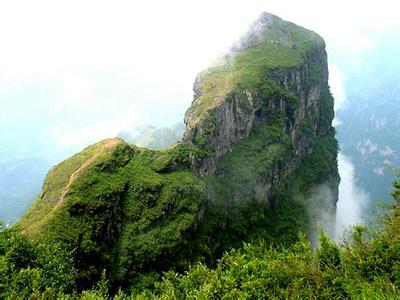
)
(289, 93)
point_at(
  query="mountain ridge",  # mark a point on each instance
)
(258, 139)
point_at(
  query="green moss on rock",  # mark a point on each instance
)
(271, 43)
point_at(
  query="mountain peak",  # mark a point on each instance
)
(258, 137)
(265, 20)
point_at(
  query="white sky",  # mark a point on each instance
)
(98, 67)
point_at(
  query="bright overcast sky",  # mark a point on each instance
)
(73, 72)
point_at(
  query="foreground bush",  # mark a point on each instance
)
(367, 266)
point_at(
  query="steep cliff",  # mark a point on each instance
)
(277, 76)
(257, 147)
(262, 116)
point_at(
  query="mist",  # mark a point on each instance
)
(321, 208)
(352, 199)
(81, 72)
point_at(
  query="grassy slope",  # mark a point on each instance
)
(284, 45)
(121, 208)
(57, 183)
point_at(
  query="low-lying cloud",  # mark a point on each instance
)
(336, 82)
(322, 211)
(352, 199)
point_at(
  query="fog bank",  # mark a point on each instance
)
(352, 199)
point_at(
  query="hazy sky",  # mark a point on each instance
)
(74, 72)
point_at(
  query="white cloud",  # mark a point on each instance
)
(104, 57)
(336, 122)
(55, 36)
(347, 26)
(93, 132)
(352, 199)
(75, 90)
(336, 82)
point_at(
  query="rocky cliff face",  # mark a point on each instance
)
(290, 94)
(258, 143)
(231, 122)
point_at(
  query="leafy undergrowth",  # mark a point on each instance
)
(366, 266)
(239, 210)
(56, 181)
(118, 207)
(358, 269)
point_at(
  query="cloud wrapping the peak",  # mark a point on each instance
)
(86, 62)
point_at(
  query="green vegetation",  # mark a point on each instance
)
(119, 221)
(284, 45)
(236, 214)
(364, 267)
(28, 267)
(55, 182)
(243, 167)
(131, 213)
(121, 216)
(240, 209)
(129, 209)
(361, 268)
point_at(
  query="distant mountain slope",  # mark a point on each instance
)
(369, 129)
(153, 137)
(20, 182)
(21, 179)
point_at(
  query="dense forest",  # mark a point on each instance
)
(366, 266)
